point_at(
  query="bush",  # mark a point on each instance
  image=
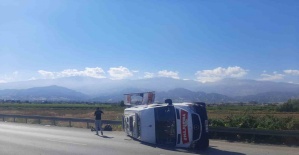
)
(217, 122)
(241, 121)
(271, 122)
(246, 120)
(267, 122)
(291, 106)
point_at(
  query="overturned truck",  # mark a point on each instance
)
(174, 124)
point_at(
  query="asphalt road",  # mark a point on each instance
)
(28, 139)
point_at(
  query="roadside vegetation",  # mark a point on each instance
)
(268, 117)
(290, 106)
(247, 120)
(271, 116)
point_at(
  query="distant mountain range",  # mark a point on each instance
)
(106, 90)
(51, 93)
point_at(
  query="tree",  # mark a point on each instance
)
(122, 103)
(291, 106)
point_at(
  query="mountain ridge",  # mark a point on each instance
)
(58, 93)
(53, 92)
(93, 89)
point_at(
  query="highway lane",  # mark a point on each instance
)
(21, 139)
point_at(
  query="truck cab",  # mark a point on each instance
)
(173, 124)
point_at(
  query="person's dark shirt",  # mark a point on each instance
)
(98, 114)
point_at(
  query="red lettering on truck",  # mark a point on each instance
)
(184, 126)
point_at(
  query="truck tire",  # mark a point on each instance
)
(204, 144)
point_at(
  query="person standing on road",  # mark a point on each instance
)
(98, 120)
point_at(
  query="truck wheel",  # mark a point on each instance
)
(203, 144)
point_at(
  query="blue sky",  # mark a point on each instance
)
(203, 40)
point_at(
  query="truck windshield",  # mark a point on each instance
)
(165, 125)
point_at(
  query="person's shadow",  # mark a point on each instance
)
(103, 136)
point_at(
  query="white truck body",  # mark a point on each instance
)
(178, 124)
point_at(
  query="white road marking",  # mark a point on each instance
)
(61, 141)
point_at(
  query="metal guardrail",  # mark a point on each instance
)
(55, 119)
(285, 133)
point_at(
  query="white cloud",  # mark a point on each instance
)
(291, 72)
(3, 81)
(15, 73)
(32, 78)
(170, 74)
(205, 79)
(271, 77)
(46, 74)
(118, 73)
(220, 73)
(148, 75)
(9, 77)
(293, 82)
(94, 72)
(89, 72)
